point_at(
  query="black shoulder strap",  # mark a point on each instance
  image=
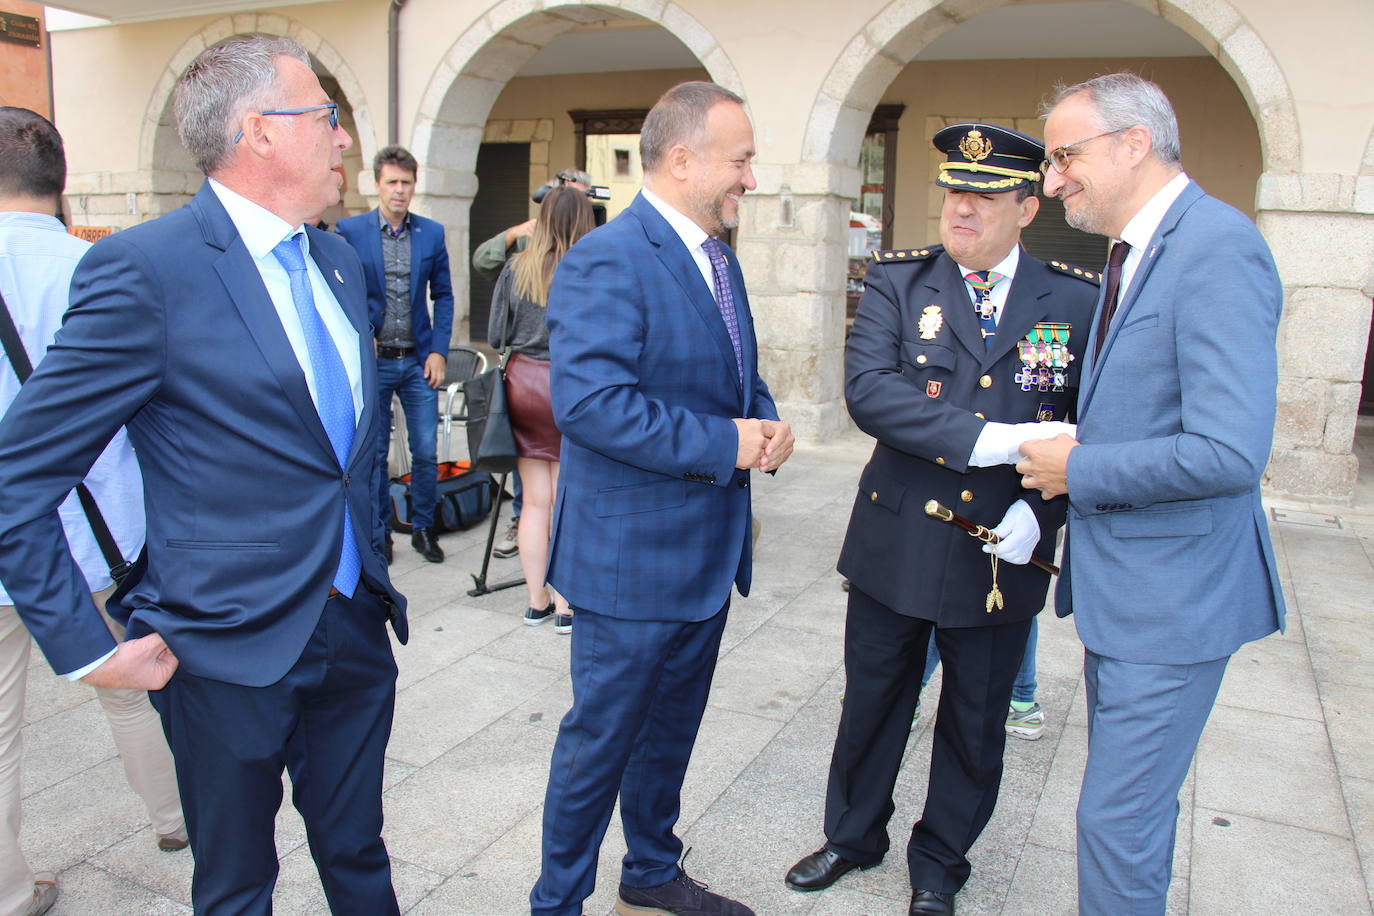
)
(23, 368)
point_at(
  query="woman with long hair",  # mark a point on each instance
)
(518, 310)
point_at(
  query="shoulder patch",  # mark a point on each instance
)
(1090, 276)
(907, 254)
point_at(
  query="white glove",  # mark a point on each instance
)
(1000, 443)
(1019, 531)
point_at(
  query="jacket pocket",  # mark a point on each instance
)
(640, 497)
(880, 490)
(182, 544)
(1140, 323)
(919, 355)
(1162, 523)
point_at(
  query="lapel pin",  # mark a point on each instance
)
(338, 276)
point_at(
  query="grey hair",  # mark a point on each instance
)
(679, 116)
(1123, 100)
(221, 85)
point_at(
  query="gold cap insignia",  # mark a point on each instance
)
(975, 146)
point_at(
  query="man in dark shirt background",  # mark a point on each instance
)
(403, 255)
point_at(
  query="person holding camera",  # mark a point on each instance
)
(519, 321)
(488, 259)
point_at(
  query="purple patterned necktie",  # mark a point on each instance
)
(725, 298)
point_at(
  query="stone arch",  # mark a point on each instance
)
(451, 117)
(893, 38)
(172, 176)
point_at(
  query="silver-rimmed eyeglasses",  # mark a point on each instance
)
(1059, 157)
(333, 115)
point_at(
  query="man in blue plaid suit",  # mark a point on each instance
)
(656, 389)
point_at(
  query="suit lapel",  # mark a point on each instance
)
(674, 256)
(1027, 302)
(1191, 194)
(245, 288)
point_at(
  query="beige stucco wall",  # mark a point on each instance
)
(811, 70)
(1220, 144)
(552, 97)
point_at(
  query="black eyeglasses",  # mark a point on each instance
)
(1058, 158)
(333, 115)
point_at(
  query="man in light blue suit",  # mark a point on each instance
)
(235, 346)
(1168, 567)
(656, 389)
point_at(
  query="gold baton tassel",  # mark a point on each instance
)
(975, 530)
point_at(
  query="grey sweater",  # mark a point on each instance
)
(528, 330)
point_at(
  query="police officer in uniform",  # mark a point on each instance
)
(959, 353)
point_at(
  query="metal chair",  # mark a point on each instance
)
(464, 364)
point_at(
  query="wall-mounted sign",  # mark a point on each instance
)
(22, 30)
(91, 233)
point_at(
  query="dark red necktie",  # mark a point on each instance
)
(1115, 259)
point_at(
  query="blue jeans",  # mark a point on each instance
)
(1022, 691)
(406, 377)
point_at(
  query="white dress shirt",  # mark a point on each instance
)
(1007, 268)
(1143, 227)
(691, 234)
(261, 230)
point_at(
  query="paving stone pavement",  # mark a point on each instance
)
(1277, 816)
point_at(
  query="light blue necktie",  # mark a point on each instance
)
(332, 390)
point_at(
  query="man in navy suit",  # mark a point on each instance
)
(234, 344)
(655, 386)
(1167, 567)
(404, 255)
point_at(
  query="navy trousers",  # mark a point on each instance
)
(884, 653)
(639, 691)
(327, 722)
(1144, 722)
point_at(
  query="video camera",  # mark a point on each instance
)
(595, 192)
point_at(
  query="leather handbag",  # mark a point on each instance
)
(491, 443)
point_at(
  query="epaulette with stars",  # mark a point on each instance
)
(1090, 276)
(908, 254)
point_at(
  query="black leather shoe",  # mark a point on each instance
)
(820, 870)
(931, 903)
(386, 549)
(423, 541)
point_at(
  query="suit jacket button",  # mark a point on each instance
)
(939, 461)
(979, 415)
(921, 360)
(873, 497)
(985, 382)
(966, 496)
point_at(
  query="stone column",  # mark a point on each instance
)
(792, 247)
(1321, 230)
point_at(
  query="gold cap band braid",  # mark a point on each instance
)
(1019, 174)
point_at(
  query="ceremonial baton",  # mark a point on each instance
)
(935, 510)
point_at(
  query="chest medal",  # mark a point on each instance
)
(1045, 357)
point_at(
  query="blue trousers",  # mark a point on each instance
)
(406, 377)
(1144, 722)
(327, 722)
(639, 691)
(1022, 689)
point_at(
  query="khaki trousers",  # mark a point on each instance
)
(137, 734)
